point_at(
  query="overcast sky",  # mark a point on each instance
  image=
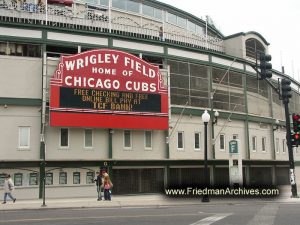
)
(277, 21)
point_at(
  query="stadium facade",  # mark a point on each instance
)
(205, 69)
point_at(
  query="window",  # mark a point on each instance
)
(90, 177)
(18, 179)
(197, 141)
(104, 2)
(120, 4)
(133, 6)
(76, 178)
(2, 179)
(254, 143)
(263, 144)
(88, 138)
(19, 49)
(127, 139)
(253, 47)
(33, 179)
(222, 142)
(180, 140)
(172, 18)
(63, 179)
(181, 22)
(283, 146)
(191, 26)
(64, 137)
(148, 139)
(24, 137)
(199, 30)
(277, 145)
(235, 136)
(49, 178)
(148, 10)
(158, 14)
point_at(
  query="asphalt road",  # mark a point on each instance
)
(233, 214)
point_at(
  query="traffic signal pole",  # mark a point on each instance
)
(285, 94)
(290, 149)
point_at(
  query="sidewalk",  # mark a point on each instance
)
(121, 201)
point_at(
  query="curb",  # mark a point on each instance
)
(119, 205)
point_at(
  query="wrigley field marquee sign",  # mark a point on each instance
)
(109, 89)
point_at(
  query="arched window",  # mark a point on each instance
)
(253, 46)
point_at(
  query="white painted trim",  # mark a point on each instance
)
(20, 32)
(226, 62)
(187, 54)
(138, 46)
(77, 38)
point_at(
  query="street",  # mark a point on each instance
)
(251, 213)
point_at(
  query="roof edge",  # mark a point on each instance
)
(244, 34)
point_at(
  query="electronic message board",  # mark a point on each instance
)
(108, 89)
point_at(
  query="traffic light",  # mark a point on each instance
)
(296, 123)
(265, 66)
(286, 89)
(295, 140)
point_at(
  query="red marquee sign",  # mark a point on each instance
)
(109, 89)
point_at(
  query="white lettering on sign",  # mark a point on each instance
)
(92, 59)
(109, 58)
(108, 84)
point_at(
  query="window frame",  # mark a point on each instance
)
(84, 140)
(145, 139)
(30, 176)
(264, 144)
(283, 146)
(199, 139)
(87, 175)
(255, 143)
(74, 175)
(125, 147)
(28, 138)
(59, 178)
(277, 147)
(222, 149)
(16, 183)
(49, 173)
(60, 146)
(2, 179)
(180, 132)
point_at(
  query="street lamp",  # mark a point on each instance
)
(216, 117)
(205, 118)
(277, 125)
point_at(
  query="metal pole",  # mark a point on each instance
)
(44, 189)
(290, 149)
(206, 178)
(44, 175)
